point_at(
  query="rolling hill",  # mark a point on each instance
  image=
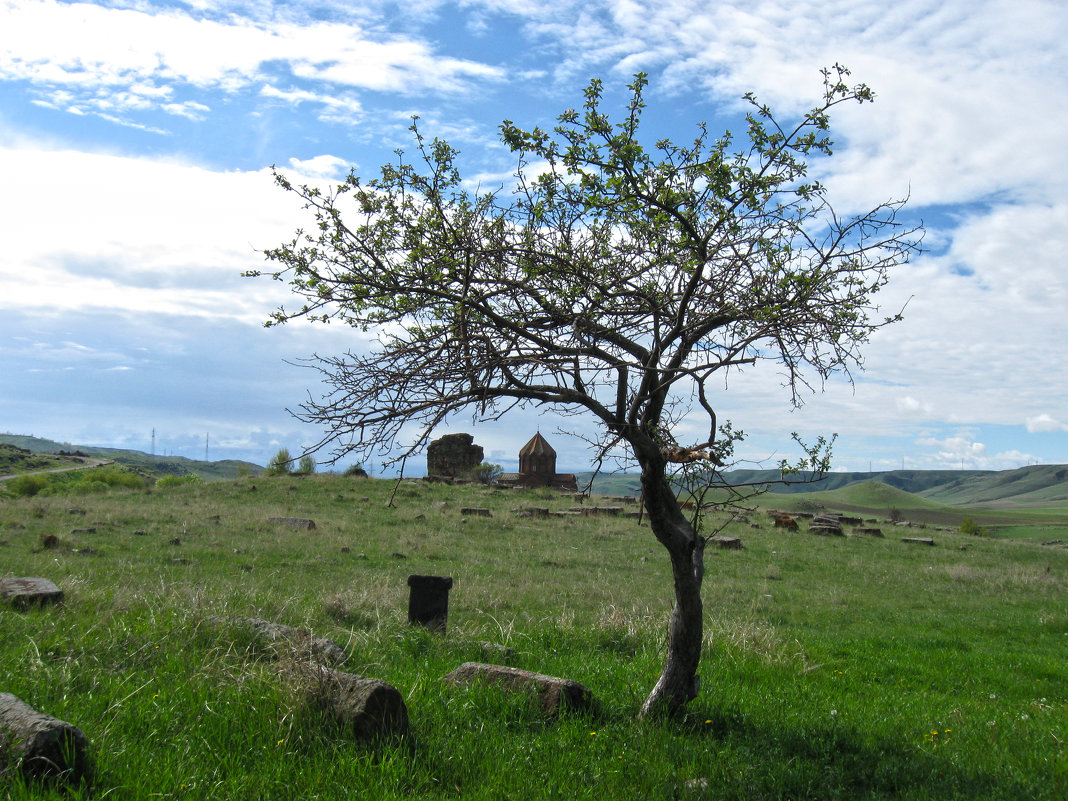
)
(143, 462)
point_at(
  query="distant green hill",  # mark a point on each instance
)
(1035, 486)
(143, 462)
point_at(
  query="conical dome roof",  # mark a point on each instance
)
(537, 447)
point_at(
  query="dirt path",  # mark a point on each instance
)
(88, 463)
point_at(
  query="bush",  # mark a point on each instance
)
(27, 486)
(971, 528)
(306, 465)
(355, 471)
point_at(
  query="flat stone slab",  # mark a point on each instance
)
(22, 593)
(553, 693)
(293, 522)
(474, 511)
(918, 540)
(41, 746)
(730, 543)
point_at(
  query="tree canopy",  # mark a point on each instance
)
(613, 278)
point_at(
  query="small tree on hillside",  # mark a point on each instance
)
(615, 280)
(281, 463)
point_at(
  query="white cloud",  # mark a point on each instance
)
(1044, 423)
(107, 60)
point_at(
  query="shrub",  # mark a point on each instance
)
(27, 486)
(970, 527)
(306, 465)
(355, 471)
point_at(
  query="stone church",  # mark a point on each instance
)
(537, 468)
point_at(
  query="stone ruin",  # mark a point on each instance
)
(453, 456)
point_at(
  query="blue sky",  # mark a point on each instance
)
(136, 140)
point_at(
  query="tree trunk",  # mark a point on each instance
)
(679, 682)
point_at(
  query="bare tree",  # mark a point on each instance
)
(613, 280)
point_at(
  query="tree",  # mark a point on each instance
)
(281, 463)
(488, 473)
(306, 465)
(613, 280)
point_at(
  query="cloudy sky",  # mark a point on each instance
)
(136, 139)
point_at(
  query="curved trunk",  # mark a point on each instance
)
(679, 682)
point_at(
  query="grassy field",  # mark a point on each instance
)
(836, 667)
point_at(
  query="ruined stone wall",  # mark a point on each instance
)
(453, 456)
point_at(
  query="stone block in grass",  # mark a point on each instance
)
(918, 540)
(294, 642)
(369, 708)
(553, 694)
(41, 746)
(729, 543)
(23, 593)
(293, 522)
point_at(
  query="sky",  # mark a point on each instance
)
(137, 139)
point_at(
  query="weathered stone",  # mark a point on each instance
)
(608, 510)
(531, 511)
(297, 642)
(787, 523)
(918, 540)
(870, 531)
(428, 601)
(453, 456)
(293, 522)
(49, 542)
(553, 694)
(22, 593)
(475, 511)
(731, 543)
(370, 708)
(41, 746)
(825, 531)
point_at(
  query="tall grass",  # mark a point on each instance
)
(836, 667)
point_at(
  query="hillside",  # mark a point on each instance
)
(138, 460)
(1034, 486)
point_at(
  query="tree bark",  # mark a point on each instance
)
(679, 682)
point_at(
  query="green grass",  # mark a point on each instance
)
(831, 662)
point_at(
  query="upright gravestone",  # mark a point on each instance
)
(428, 601)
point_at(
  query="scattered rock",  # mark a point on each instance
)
(140, 532)
(474, 511)
(787, 523)
(918, 540)
(293, 522)
(553, 694)
(22, 593)
(871, 531)
(179, 560)
(82, 531)
(174, 541)
(531, 511)
(75, 511)
(49, 541)
(297, 642)
(370, 708)
(730, 543)
(345, 549)
(41, 746)
(398, 555)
